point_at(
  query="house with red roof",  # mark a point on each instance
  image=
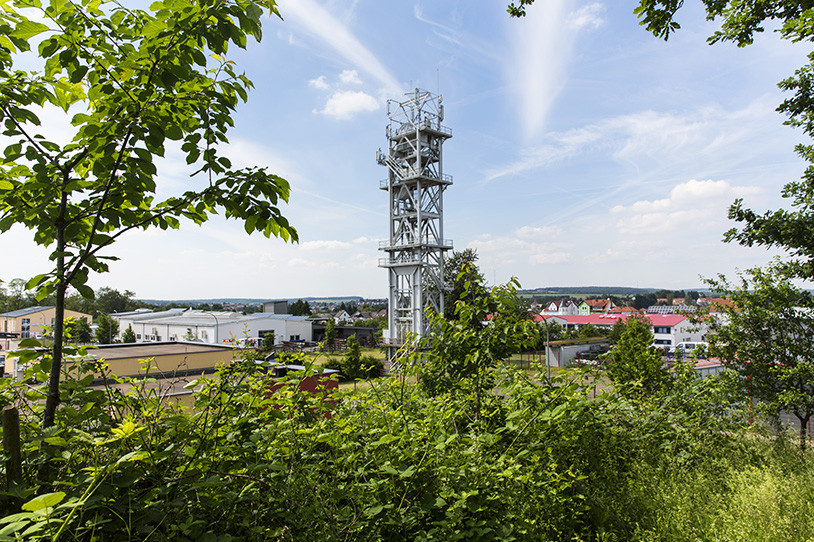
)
(668, 329)
(590, 306)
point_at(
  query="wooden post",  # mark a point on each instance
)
(11, 445)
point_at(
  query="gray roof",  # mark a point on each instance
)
(27, 310)
(206, 319)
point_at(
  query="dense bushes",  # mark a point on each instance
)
(476, 451)
(395, 463)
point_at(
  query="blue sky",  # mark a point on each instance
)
(584, 152)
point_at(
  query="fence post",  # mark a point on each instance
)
(11, 445)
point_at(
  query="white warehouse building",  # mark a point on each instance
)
(215, 327)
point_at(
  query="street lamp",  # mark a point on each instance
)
(217, 324)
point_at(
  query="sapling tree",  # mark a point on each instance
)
(634, 364)
(128, 335)
(488, 328)
(107, 329)
(130, 82)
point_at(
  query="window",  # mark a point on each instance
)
(294, 338)
(661, 330)
(25, 328)
(138, 336)
(665, 342)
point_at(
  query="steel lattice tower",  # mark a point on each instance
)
(415, 188)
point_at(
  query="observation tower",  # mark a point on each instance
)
(415, 188)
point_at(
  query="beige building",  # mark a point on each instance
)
(31, 322)
(166, 359)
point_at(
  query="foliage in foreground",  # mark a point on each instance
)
(396, 463)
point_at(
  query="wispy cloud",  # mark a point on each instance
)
(543, 42)
(655, 142)
(462, 41)
(316, 20)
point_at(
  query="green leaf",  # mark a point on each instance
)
(28, 29)
(44, 501)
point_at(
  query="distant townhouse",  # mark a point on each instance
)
(343, 318)
(590, 306)
(566, 306)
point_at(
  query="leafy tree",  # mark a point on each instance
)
(128, 335)
(768, 338)
(300, 308)
(77, 331)
(635, 365)
(642, 301)
(107, 329)
(459, 269)
(460, 355)
(617, 331)
(330, 334)
(136, 80)
(589, 331)
(109, 300)
(352, 362)
(268, 341)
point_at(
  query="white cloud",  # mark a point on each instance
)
(526, 246)
(588, 17)
(350, 77)
(693, 205)
(320, 83)
(343, 105)
(317, 21)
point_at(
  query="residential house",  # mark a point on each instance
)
(566, 306)
(31, 322)
(343, 318)
(590, 306)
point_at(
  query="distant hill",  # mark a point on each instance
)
(597, 290)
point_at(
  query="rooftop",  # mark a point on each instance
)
(23, 312)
